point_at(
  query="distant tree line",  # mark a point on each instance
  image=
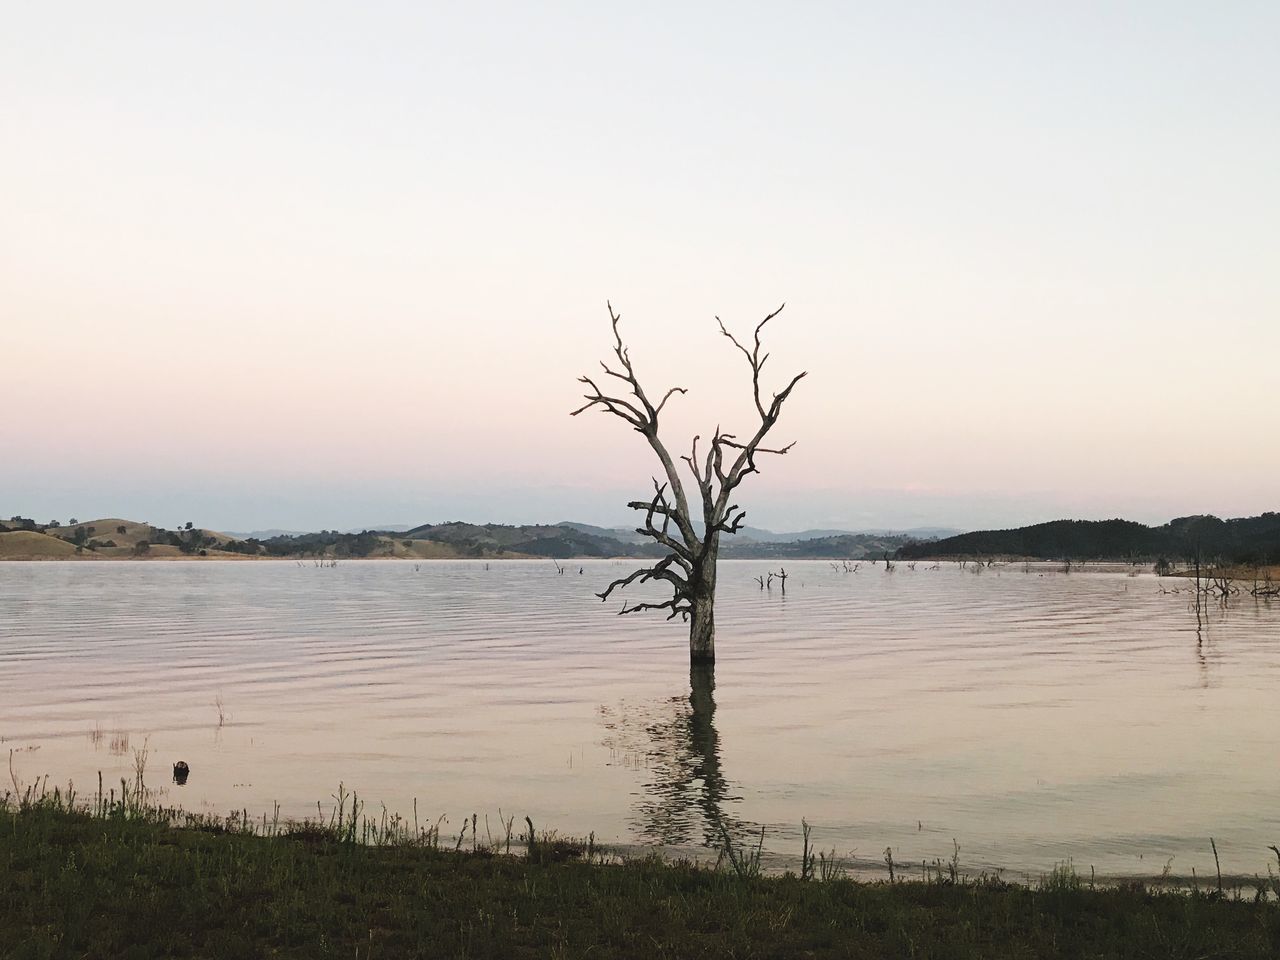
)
(559, 541)
(1244, 540)
(351, 545)
(850, 546)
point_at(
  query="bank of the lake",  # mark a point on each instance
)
(123, 882)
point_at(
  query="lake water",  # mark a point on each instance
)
(1033, 716)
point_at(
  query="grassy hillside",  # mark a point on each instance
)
(133, 531)
(108, 538)
(540, 540)
(29, 545)
(359, 546)
(848, 546)
(114, 538)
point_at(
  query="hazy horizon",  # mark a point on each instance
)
(288, 266)
(167, 511)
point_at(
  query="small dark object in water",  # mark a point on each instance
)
(180, 772)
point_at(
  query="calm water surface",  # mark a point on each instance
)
(1034, 717)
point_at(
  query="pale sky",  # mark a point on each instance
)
(325, 265)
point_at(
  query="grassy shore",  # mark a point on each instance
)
(1246, 573)
(123, 879)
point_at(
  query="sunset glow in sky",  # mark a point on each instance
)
(311, 265)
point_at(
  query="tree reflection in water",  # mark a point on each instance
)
(686, 798)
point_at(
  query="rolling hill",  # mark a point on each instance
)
(116, 538)
(1241, 540)
(108, 538)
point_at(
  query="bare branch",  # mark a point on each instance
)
(730, 523)
(660, 506)
(643, 417)
(659, 571)
(753, 357)
(675, 605)
(744, 464)
(780, 398)
(614, 373)
(667, 396)
(734, 340)
(740, 446)
(615, 405)
(704, 479)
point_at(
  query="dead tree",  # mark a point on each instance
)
(693, 541)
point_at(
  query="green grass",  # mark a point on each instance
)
(129, 880)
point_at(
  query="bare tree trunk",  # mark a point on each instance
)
(702, 633)
(702, 623)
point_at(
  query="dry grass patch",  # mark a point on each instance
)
(29, 545)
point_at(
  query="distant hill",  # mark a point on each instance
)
(568, 539)
(114, 538)
(118, 539)
(267, 534)
(366, 544)
(550, 540)
(754, 534)
(624, 534)
(109, 538)
(1241, 540)
(760, 535)
(275, 532)
(848, 546)
(918, 533)
(30, 545)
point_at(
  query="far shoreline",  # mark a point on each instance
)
(1234, 573)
